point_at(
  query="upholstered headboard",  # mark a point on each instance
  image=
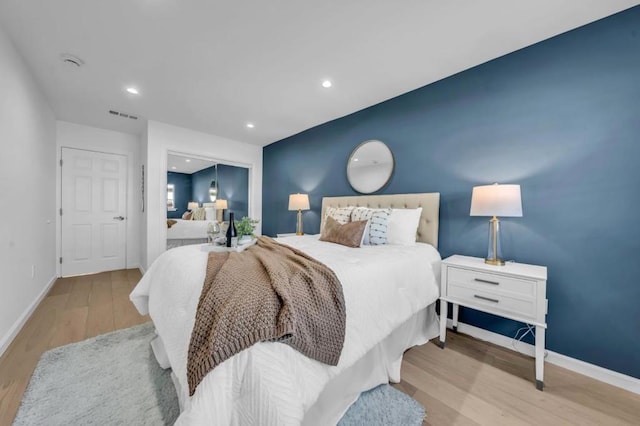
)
(430, 203)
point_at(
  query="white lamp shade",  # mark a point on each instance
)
(496, 200)
(298, 202)
(192, 205)
(221, 204)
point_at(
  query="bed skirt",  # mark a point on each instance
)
(380, 365)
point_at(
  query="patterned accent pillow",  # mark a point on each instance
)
(199, 214)
(342, 215)
(378, 227)
(348, 234)
(361, 213)
(376, 231)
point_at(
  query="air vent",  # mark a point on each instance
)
(122, 114)
(71, 60)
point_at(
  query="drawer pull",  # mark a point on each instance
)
(480, 280)
(488, 299)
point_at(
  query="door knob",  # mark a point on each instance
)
(118, 217)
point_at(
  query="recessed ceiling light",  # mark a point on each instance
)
(326, 84)
(187, 160)
(250, 125)
(173, 167)
(355, 159)
(133, 90)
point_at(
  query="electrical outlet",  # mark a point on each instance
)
(33, 271)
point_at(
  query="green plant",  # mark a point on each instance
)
(246, 226)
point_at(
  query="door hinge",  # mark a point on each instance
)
(60, 212)
(61, 261)
(61, 162)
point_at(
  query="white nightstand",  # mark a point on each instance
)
(516, 290)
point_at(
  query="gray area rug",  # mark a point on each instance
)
(114, 379)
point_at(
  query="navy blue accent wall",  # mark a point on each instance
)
(201, 182)
(560, 118)
(182, 194)
(233, 186)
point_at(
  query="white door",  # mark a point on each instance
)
(93, 231)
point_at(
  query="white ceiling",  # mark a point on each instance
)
(213, 65)
(187, 164)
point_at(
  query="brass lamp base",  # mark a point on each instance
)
(299, 224)
(495, 251)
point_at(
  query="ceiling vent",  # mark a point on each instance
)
(122, 114)
(72, 60)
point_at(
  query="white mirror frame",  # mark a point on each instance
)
(370, 166)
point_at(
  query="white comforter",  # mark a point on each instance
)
(271, 383)
(187, 229)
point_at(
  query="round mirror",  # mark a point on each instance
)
(370, 166)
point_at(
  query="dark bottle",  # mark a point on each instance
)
(232, 233)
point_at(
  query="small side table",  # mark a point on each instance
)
(516, 291)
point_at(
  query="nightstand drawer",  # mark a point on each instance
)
(493, 283)
(493, 301)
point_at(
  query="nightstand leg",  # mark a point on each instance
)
(455, 316)
(540, 357)
(443, 322)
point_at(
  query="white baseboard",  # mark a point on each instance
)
(141, 269)
(590, 370)
(17, 326)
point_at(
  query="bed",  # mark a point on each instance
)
(187, 232)
(389, 293)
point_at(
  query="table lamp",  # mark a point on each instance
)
(299, 202)
(496, 200)
(192, 205)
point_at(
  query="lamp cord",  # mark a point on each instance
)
(528, 329)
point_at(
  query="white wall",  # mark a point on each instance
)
(71, 135)
(27, 193)
(162, 138)
(143, 222)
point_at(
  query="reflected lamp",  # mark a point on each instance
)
(221, 205)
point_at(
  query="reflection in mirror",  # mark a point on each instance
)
(194, 182)
(213, 188)
(370, 166)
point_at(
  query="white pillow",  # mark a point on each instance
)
(403, 226)
(210, 213)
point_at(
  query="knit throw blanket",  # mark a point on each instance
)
(269, 292)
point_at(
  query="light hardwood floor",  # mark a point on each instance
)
(74, 309)
(472, 382)
(468, 383)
